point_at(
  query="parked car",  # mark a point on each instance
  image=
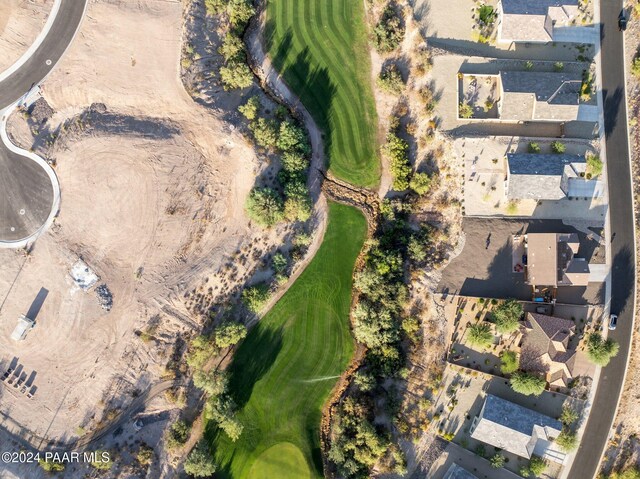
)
(622, 21)
(613, 321)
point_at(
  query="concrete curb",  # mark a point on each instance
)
(36, 44)
(55, 206)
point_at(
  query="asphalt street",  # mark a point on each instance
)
(26, 192)
(622, 227)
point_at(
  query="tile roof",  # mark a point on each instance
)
(512, 427)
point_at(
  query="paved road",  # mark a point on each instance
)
(26, 192)
(623, 253)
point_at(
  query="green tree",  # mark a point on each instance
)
(255, 297)
(265, 132)
(214, 7)
(177, 434)
(250, 108)
(239, 12)
(507, 316)
(232, 48)
(201, 349)
(567, 440)
(265, 206)
(279, 262)
(236, 74)
(599, 350)
(294, 162)
(537, 465)
(221, 410)
(509, 362)
(297, 204)
(420, 183)
(527, 384)
(229, 334)
(292, 137)
(497, 461)
(364, 380)
(213, 382)
(199, 462)
(480, 335)
(594, 165)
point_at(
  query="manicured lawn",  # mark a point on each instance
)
(320, 46)
(285, 369)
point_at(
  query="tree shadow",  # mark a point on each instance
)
(623, 279)
(612, 101)
(253, 359)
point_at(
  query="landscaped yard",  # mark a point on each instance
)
(320, 47)
(283, 372)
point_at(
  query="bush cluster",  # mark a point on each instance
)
(388, 33)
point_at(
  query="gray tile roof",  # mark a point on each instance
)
(553, 87)
(533, 20)
(513, 428)
(457, 472)
(538, 176)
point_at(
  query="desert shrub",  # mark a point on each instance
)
(145, 455)
(297, 204)
(558, 66)
(506, 316)
(567, 440)
(250, 108)
(465, 110)
(420, 183)
(487, 14)
(388, 32)
(534, 147)
(635, 67)
(396, 150)
(527, 384)
(509, 362)
(599, 350)
(390, 79)
(528, 65)
(497, 461)
(480, 335)
(594, 165)
(255, 297)
(51, 466)
(239, 12)
(569, 416)
(265, 206)
(558, 147)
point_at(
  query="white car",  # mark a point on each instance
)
(613, 321)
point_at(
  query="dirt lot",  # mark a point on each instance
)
(20, 23)
(483, 270)
(153, 187)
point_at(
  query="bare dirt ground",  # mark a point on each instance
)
(153, 187)
(20, 23)
(624, 446)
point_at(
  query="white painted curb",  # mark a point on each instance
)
(55, 206)
(36, 44)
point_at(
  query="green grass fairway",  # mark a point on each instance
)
(320, 47)
(281, 460)
(284, 370)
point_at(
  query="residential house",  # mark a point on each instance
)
(536, 21)
(551, 260)
(546, 341)
(532, 176)
(458, 472)
(516, 429)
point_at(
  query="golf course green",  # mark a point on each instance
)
(320, 47)
(283, 372)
